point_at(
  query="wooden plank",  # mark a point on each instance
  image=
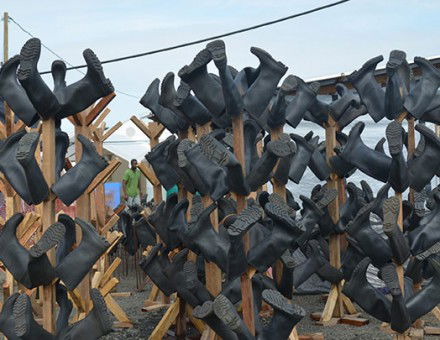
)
(111, 131)
(314, 336)
(154, 306)
(75, 296)
(48, 215)
(348, 305)
(246, 283)
(104, 174)
(122, 294)
(109, 272)
(110, 223)
(166, 322)
(101, 117)
(352, 321)
(20, 125)
(116, 310)
(156, 129)
(112, 283)
(432, 330)
(98, 108)
(142, 126)
(148, 173)
(96, 279)
(327, 314)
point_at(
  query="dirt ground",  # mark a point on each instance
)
(144, 323)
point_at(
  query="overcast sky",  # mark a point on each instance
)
(332, 41)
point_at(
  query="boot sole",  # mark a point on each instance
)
(391, 208)
(214, 150)
(26, 148)
(183, 146)
(29, 56)
(104, 84)
(280, 148)
(20, 310)
(277, 301)
(201, 59)
(190, 274)
(394, 137)
(217, 50)
(288, 259)
(279, 213)
(183, 91)
(101, 307)
(435, 249)
(245, 220)
(225, 311)
(52, 236)
(204, 310)
(328, 197)
(389, 276)
(196, 209)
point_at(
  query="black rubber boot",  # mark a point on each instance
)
(58, 71)
(400, 318)
(245, 78)
(382, 194)
(262, 170)
(423, 168)
(26, 327)
(325, 270)
(190, 106)
(96, 324)
(398, 243)
(80, 95)
(414, 270)
(350, 115)
(303, 154)
(351, 207)
(371, 300)
(34, 176)
(40, 95)
(371, 243)
(61, 145)
(14, 94)
(318, 163)
(165, 116)
(286, 315)
(285, 286)
(218, 153)
(158, 158)
(30, 267)
(351, 258)
(225, 311)
(425, 90)
(83, 257)
(212, 245)
(237, 226)
(398, 176)
(167, 97)
(212, 174)
(152, 266)
(370, 162)
(304, 98)
(379, 145)
(193, 284)
(231, 97)
(368, 89)
(76, 180)
(199, 184)
(303, 271)
(65, 307)
(7, 321)
(427, 234)
(261, 90)
(347, 98)
(69, 239)
(281, 174)
(423, 301)
(11, 168)
(206, 88)
(251, 132)
(172, 160)
(276, 113)
(144, 233)
(397, 88)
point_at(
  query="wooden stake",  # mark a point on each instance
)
(246, 281)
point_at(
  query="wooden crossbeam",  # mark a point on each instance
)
(111, 131)
(96, 279)
(98, 108)
(109, 272)
(110, 223)
(112, 283)
(75, 296)
(166, 322)
(142, 126)
(116, 310)
(104, 174)
(76, 119)
(148, 173)
(101, 117)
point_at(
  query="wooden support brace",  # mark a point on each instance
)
(98, 108)
(101, 118)
(142, 126)
(166, 322)
(111, 131)
(148, 173)
(110, 223)
(109, 272)
(116, 310)
(104, 175)
(112, 283)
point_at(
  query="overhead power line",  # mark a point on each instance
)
(242, 30)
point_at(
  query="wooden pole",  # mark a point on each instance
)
(5, 36)
(48, 215)
(246, 281)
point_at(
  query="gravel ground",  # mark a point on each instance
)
(144, 323)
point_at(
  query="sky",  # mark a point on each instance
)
(333, 41)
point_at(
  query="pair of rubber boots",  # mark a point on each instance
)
(64, 100)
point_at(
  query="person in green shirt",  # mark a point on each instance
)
(131, 185)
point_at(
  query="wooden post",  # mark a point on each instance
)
(48, 215)
(5, 36)
(246, 281)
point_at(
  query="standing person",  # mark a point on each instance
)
(131, 185)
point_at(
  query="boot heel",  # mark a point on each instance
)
(245, 220)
